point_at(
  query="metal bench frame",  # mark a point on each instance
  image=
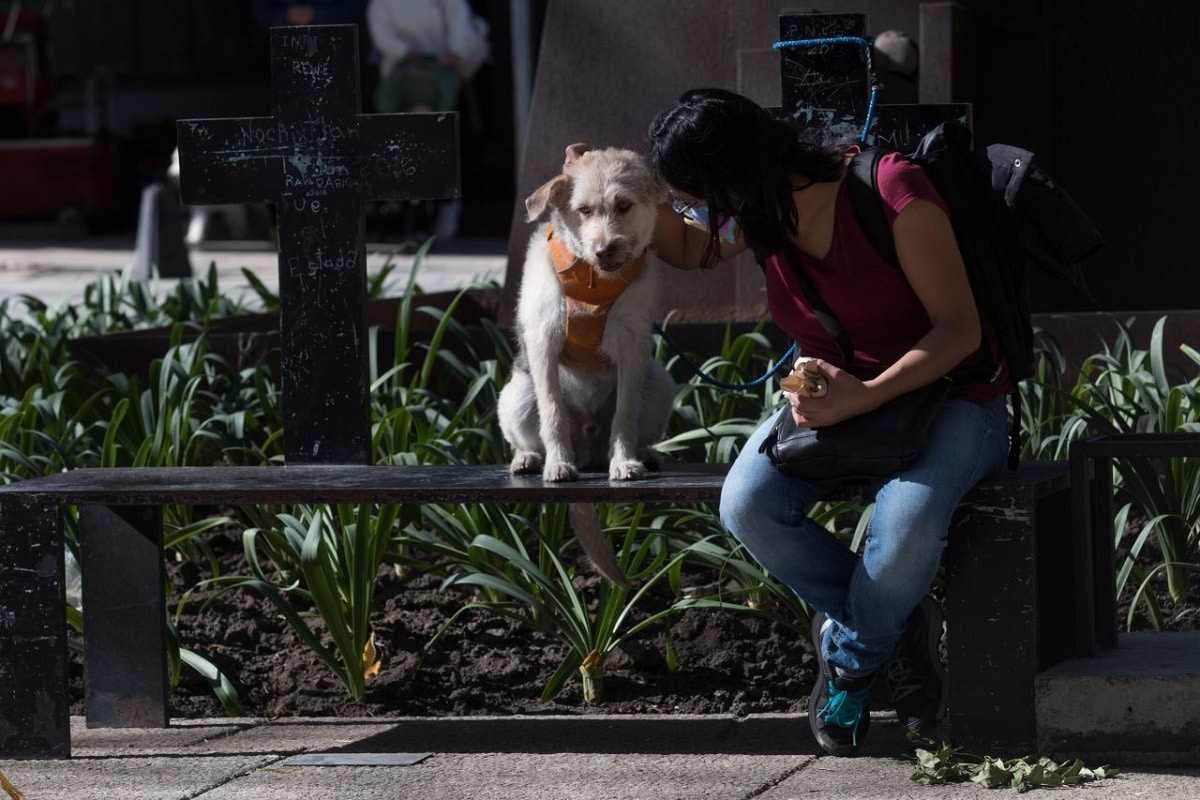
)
(1091, 463)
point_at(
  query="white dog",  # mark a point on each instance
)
(586, 391)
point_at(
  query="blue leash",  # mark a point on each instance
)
(867, 45)
(704, 376)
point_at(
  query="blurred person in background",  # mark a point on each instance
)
(429, 53)
(274, 13)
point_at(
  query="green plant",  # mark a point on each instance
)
(711, 422)
(527, 579)
(939, 763)
(433, 400)
(43, 433)
(1044, 404)
(177, 656)
(436, 401)
(1133, 565)
(167, 424)
(1126, 390)
(722, 576)
(322, 562)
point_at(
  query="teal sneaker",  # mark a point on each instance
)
(839, 708)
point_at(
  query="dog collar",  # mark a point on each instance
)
(588, 302)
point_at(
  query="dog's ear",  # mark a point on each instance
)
(574, 151)
(553, 193)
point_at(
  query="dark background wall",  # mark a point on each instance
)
(125, 70)
(1102, 92)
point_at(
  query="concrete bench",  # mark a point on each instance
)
(1007, 599)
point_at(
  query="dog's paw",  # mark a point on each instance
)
(526, 463)
(626, 470)
(559, 471)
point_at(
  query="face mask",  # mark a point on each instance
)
(695, 213)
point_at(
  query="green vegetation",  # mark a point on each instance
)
(434, 388)
(938, 763)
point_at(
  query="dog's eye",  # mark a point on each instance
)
(585, 211)
(623, 206)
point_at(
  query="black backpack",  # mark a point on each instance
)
(1006, 212)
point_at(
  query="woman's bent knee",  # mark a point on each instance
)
(736, 511)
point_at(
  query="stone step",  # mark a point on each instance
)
(1136, 703)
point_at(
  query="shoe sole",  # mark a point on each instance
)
(818, 621)
(933, 613)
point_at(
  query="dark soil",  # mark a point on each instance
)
(727, 663)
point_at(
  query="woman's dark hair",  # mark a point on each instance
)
(728, 151)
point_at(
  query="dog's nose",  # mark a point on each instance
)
(605, 250)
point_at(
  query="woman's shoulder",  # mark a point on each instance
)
(896, 167)
(901, 181)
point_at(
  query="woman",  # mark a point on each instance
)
(742, 179)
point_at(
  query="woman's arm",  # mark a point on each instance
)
(682, 245)
(933, 265)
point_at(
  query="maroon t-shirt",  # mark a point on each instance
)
(873, 300)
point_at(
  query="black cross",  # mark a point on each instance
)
(828, 88)
(318, 160)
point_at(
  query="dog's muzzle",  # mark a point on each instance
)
(613, 256)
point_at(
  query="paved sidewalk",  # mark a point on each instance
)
(769, 757)
(54, 270)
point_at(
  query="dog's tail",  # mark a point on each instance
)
(586, 522)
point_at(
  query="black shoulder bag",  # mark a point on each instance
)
(873, 445)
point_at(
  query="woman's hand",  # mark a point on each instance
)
(845, 397)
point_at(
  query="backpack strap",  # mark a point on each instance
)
(824, 315)
(863, 177)
(820, 309)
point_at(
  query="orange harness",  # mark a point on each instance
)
(588, 302)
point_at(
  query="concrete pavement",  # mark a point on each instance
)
(768, 757)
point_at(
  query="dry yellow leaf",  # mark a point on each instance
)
(11, 790)
(371, 663)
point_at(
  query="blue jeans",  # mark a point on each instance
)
(868, 598)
